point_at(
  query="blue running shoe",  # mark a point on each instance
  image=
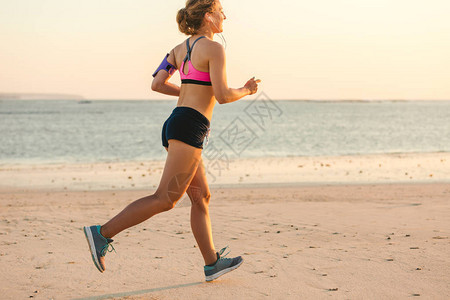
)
(98, 245)
(222, 266)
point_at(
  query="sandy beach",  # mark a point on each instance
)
(357, 227)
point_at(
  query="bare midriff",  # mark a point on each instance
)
(198, 97)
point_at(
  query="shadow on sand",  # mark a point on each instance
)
(141, 292)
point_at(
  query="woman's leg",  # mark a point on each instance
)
(181, 165)
(199, 194)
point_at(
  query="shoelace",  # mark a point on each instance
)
(106, 248)
(222, 256)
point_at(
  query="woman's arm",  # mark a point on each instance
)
(161, 82)
(217, 69)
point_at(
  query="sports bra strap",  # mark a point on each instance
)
(189, 49)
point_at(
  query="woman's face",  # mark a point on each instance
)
(217, 17)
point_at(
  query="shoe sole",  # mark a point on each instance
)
(90, 240)
(224, 271)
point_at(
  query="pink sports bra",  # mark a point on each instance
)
(193, 76)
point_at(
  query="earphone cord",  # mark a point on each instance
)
(224, 42)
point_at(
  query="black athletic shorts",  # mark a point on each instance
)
(187, 125)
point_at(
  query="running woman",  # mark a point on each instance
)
(201, 63)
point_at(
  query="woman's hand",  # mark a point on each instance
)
(252, 85)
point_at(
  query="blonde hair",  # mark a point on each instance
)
(190, 18)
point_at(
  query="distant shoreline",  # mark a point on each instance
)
(36, 96)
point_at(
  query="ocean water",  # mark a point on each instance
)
(56, 131)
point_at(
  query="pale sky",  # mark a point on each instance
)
(321, 49)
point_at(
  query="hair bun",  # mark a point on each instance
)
(190, 18)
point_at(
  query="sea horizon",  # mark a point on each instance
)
(74, 97)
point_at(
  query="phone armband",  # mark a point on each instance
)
(165, 65)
